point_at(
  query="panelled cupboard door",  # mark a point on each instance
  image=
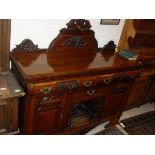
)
(3, 116)
(138, 92)
(150, 96)
(113, 105)
(115, 101)
(49, 115)
(9, 115)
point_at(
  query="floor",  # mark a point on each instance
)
(127, 114)
(137, 111)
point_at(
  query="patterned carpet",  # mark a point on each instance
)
(111, 131)
(143, 124)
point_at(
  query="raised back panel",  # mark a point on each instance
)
(76, 37)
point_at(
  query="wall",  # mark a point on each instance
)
(42, 32)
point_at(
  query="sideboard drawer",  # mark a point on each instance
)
(41, 88)
(89, 93)
(89, 81)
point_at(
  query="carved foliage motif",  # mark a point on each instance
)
(68, 85)
(76, 41)
(26, 45)
(79, 24)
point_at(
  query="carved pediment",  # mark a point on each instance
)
(78, 25)
(26, 45)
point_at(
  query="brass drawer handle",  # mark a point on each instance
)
(46, 90)
(90, 92)
(133, 76)
(88, 83)
(107, 81)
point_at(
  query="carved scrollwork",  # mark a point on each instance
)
(26, 45)
(68, 85)
(76, 41)
(79, 24)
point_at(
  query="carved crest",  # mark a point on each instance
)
(79, 24)
(76, 41)
(26, 45)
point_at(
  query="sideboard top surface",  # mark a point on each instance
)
(42, 64)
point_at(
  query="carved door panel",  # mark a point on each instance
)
(3, 116)
(137, 92)
(116, 100)
(49, 115)
(150, 96)
(113, 105)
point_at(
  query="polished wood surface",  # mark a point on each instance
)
(43, 65)
(72, 85)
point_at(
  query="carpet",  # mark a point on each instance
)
(143, 124)
(111, 131)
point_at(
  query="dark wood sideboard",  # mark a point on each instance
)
(73, 85)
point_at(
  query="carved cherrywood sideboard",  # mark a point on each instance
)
(72, 85)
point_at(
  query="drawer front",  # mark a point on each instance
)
(60, 86)
(89, 93)
(52, 87)
(89, 81)
(106, 79)
(42, 88)
(70, 84)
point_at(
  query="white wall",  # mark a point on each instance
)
(42, 32)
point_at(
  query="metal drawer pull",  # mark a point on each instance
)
(90, 92)
(133, 76)
(88, 83)
(107, 81)
(46, 90)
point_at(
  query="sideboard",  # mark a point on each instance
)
(73, 85)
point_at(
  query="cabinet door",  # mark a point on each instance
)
(150, 96)
(137, 92)
(115, 101)
(49, 115)
(8, 115)
(3, 116)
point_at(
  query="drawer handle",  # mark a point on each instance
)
(46, 90)
(107, 81)
(88, 83)
(133, 76)
(90, 92)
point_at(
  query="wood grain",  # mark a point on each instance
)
(5, 30)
